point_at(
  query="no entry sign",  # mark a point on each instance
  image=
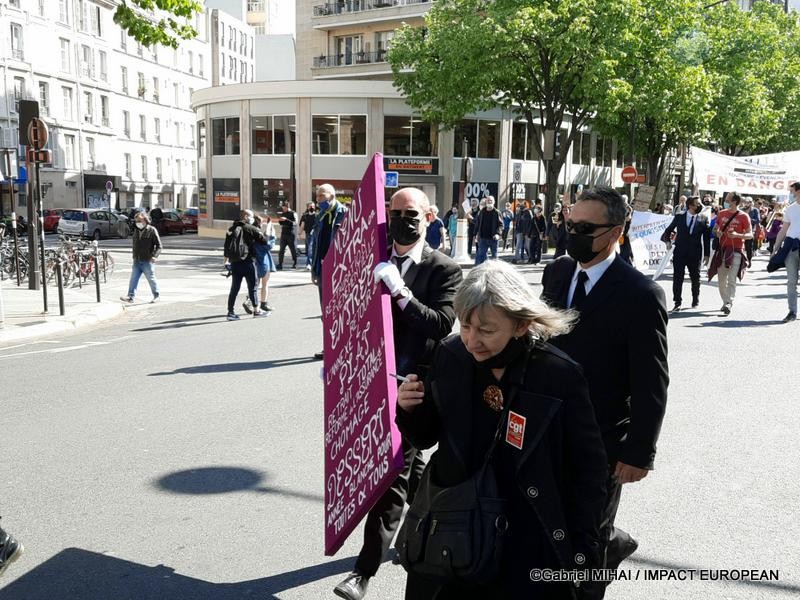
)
(629, 174)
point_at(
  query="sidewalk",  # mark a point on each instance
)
(22, 311)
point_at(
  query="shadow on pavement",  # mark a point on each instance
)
(76, 574)
(731, 324)
(772, 585)
(188, 322)
(239, 366)
(223, 480)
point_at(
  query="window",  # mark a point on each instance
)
(261, 128)
(602, 153)
(201, 139)
(466, 129)
(194, 171)
(94, 13)
(488, 139)
(16, 42)
(83, 15)
(232, 69)
(144, 167)
(65, 61)
(103, 66)
(382, 41)
(260, 29)
(191, 63)
(41, 8)
(63, 11)
(178, 165)
(126, 123)
(14, 3)
(283, 131)
(156, 87)
(178, 134)
(19, 91)
(128, 166)
(123, 40)
(191, 135)
(87, 62)
(69, 151)
(140, 89)
(409, 136)
(242, 72)
(581, 150)
(243, 43)
(44, 98)
(66, 93)
(157, 129)
(90, 153)
(200, 65)
(342, 134)
(139, 49)
(348, 49)
(225, 136)
(104, 111)
(124, 72)
(159, 172)
(88, 107)
(176, 89)
(222, 65)
(231, 37)
(518, 140)
(143, 127)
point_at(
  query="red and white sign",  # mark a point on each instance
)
(629, 174)
(515, 432)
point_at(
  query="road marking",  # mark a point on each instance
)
(46, 351)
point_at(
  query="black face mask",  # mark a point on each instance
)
(514, 348)
(579, 247)
(404, 230)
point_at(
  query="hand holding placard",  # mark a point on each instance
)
(390, 275)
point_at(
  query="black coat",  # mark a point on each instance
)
(621, 343)
(429, 316)
(560, 470)
(689, 246)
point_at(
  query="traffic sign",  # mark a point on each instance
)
(629, 174)
(39, 156)
(641, 178)
(109, 186)
(392, 179)
(37, 133)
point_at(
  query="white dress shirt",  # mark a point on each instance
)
(594, 273)
(414, 256)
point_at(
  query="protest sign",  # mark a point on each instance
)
(644, 197)
(363, 452)
(762, 174)
(645, 237)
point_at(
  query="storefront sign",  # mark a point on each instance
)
(412, 166)
(476, 190)
(363, 452)
(763, 175)
(202, 202)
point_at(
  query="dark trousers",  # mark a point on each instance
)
(287, 240)
(383, 519)
(243, 269)
(535, 245)
(679, 266)
(748, 249)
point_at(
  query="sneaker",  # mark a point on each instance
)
(127, 299)
(260, 313)
(318, 355)
(726, 310)
(266, 306)
(10, 550)
(248, 307)
(155, 298)
(232, 316)
(790, 317)
(676, 308)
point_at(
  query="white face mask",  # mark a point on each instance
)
(490, 206)
(141, 225)
(250, 220)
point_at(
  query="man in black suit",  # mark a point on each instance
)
(621, 342)
(422, 283)
(692, 240)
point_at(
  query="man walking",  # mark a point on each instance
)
(508, 218)
(288, 221)
(487, 229)
(240, 252)
(146, 248)
(422, 284)
(732, 229)
(790, 234)
(307, 225)
(522, 225)
(692, 241)
(620, 341)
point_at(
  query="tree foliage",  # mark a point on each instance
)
(158, 22)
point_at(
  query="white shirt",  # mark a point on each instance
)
(414, 256)
(791, 215)
(594, 273)
(689, 224)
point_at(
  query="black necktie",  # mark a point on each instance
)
(399, 260)
(580, 290)
(691, 224)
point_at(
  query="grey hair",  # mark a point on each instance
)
(327, 190)
(616, 207)
(499, 285)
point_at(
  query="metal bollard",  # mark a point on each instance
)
(60, 281)
(97, 270)
(16, 246)
(43, 263)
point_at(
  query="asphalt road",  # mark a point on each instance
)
(172, 454)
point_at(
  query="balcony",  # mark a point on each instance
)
(18, 54)
(354, 6)
(354, 58)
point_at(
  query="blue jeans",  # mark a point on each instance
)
(149, 270)
(484, 245)
(243, 269)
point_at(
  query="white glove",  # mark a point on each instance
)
(388, 273)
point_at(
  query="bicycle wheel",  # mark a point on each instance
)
(107, 264)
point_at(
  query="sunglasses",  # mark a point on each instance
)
(582, 228)
(412, 214)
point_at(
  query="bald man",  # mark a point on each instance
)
(422, 283)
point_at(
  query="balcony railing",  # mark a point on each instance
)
(350, 6)
(353, 58)
(18, 54)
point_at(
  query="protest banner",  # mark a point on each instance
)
(645, 237)
(762, 175)
(363, 454)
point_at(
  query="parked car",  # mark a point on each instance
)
(189, 217)
(170, 222)
(92, 223)
(51, 218)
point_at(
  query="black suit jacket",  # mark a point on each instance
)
(429, 315)
(689, 246)
(621, 342)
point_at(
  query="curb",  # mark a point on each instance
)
(62, 324)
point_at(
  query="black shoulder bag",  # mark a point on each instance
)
(456, 534)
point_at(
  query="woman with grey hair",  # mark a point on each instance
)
(499, 379)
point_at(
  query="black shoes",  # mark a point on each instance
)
(790, 317)
(676, 308)
(11, 550)
(318, 355)
(266, 306)
(726, 309)
(695, 303)
(279, 267)
(354, 587)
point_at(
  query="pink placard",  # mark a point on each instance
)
(363, 453)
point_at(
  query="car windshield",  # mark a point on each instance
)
(74, 215)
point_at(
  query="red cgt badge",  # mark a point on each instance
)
(515, 432)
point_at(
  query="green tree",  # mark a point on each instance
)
(159, 22)
(548, 61)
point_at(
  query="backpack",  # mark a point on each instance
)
(235, 248)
